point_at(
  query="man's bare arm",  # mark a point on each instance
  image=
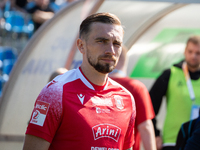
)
(42, 16)
(35, 143)
(146, 131)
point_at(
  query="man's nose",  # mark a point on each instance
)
(110, 49)
(194, 55)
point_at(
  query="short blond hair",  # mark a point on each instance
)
(194, 39)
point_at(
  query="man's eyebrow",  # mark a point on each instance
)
(106, 39)
(118, 41)
(101, 38)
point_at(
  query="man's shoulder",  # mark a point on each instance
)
(179, 64)
(68, 76)
(123, 80)
(54, 89)
(62, 79)
(167, 72)
(130, 83)
(137, 83)
(117, 84)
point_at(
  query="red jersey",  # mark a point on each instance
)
(143, 103)
(72, 113)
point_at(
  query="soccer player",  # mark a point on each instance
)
(83, 109)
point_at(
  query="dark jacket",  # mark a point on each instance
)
(189, 136)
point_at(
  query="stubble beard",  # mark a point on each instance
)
(194, 66)
(107, 68)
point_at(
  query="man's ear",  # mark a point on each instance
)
(80, 45)
(185, 51)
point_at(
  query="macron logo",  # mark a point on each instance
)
(81, 97)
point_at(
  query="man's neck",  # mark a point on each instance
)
(94, 76)
(191, 69)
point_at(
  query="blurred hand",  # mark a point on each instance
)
(42, 16)
(158, 143)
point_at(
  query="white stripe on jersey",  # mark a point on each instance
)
(72, 75)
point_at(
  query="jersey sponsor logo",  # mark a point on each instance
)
(119, 102)
(103, 148)
(81, 97)
(99, 148)
(39, 113)
(36, 114)
(106, 130)
(97, 101)
(43, 107)
(100, 110)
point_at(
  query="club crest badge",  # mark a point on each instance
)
(119, 102)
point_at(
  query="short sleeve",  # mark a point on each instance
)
(47, 112)
(143, 102)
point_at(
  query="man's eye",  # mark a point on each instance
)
(118, 44)
(102, 41)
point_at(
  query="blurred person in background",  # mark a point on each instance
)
(41, 11)
(22, 3)
(2, 3)
(193, 143)
(58, 71)
(16, 24)
(189, 135)
(63, 3)
(144, 131)
(180, 84)
(13, 5)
